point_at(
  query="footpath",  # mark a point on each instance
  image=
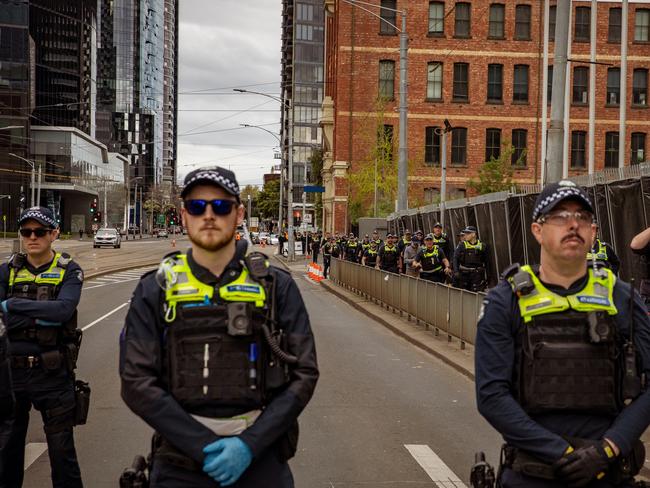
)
(445, 348)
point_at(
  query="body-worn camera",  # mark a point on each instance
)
(239, 319)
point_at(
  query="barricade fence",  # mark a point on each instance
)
(441, 308)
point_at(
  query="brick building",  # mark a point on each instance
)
(479, 64)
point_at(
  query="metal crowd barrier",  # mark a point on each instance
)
(442, 308)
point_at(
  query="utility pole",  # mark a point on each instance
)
(443, 170)
(105, 206)
(547, 9)
(554, 167)
(402, 164)
(623, 86)
(38, 193)
(248, 219)
(592, 87)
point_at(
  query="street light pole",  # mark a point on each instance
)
(33, 177)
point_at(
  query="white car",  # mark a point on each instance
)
(162, 233)
(107, 237)
(273, 240)
(263, 237)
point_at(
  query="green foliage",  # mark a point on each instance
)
(496, 174)
(379, 163)
(268, 200)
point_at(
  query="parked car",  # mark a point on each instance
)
(273, 240)
(134, 229)
(255, 237)
(107, 237)
(162, 233)
(264, 237)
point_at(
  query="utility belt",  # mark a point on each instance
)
(50, 360)
(624, 468)
(465, 269)
(431, 271)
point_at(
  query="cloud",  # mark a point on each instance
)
(225, 44)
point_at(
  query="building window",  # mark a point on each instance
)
(436, 18)
(578, 148)
(385, 143)
(549, 84)
(613, 86)
(305, 12)
(461, 91)
(495, 83)
(387, 79)
(431, 195)
(614, 26)
(638, 148)
(497, 21)
(580, 85)
(551, 22)
(434, 81)
(520, 88)
(522, 22)
(492, 144)
(431, 145)
(642, 25)
(519, 146)
(459, 146)
(611, 150)
(640, 87)
(388, 17)
(462, 23)
(582, 24)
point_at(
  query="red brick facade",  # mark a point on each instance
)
(354, 48)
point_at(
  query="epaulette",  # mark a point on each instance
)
(148, 273)
(17, 260)
(258, 265)
(510, 271)
(520, 281)
(64, 260)
(171, 254)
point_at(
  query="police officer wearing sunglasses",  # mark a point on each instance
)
(217, 353)
(39, 294)
(561, 348)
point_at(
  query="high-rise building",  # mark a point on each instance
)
(479, 65)
(170, 92)
(16, 98)
(302, 87)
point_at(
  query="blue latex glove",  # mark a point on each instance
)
(226, 460)
(47, 323)
(3, 306)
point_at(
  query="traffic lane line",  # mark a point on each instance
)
(437, 470)
(110, 283)
(106, 315)
(33, 451)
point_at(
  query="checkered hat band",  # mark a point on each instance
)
(217, 178)
(37, 214)
(560, 194)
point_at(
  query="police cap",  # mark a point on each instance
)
(216, 176)
(554, 193)
(42, 215)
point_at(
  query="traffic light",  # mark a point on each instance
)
(93, 206)
(98, 215)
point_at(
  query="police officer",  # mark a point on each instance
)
(471, 261)
(602, 254)
(640, 245)
(377, 239)
(403, 243)
(388, 256)
(7, 398)
(560, 349)
(365, 245)
(329, 249)
(217, 353)
(370, 256)
(352, 249)
(441, 240)
(39, 294)
(432, 262)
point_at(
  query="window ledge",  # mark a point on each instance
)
(458, 165)
(584, 41)
(430, 164)
(525, 39)
(434, 100)
(435, 34)
(493, 38)
(388, 33)
(519, 167)
(462, 37)
(520, 102)
(579, 104)
(612, 105)
(458, 100)
(640, 42)
(642, 107)
(494, 102)
(613, 41)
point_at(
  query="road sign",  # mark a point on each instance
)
(314, 189)
(306, 218)
(95, 227)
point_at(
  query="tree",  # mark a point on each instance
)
(268, 200)
(378, 164)
(496, 174)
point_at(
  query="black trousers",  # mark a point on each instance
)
(510, 479)
(326, 264)
(267, 472)
(472, 281)
(52, 394)
(435, 277)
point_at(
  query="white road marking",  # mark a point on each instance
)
(33, 451)
(437, 470)
(120, 277)
(104, 316)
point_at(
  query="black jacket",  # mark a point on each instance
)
(142, 365)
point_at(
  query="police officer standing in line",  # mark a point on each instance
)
(328, 248)
(377, 239)
(603, 254)
(432, 262)
(389, 256)
(352, 249)
(370, 256)
(403, 243)
(471, 261)
(557, 351)
(365, 245)
(441, 240)
(217, 353)
(39, 295)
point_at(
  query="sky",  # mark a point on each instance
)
(226, 44)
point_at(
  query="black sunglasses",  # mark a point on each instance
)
(219, 207)
(39, 232)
